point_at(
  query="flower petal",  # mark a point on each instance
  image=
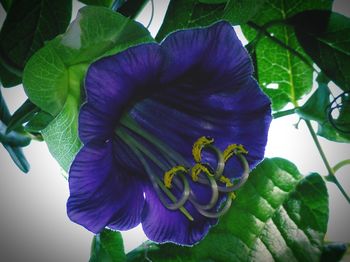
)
(202, 57)
(163, 225)
(101, 193)
(240, 115)
(113, 83)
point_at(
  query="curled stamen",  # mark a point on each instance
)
(199, 145)
(177, 203)
(219, 213)
(220, 164)
(169, 175)
(232, 150)
(243, 178)
(198, 168)
(214, 195)
(156, 182)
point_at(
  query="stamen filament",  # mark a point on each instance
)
(131, 124)
(242, 179)
(219, 213)
(136, 148)
(214, 196)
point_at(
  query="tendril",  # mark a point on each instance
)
(343, 104)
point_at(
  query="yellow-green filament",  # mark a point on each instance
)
(173, 198)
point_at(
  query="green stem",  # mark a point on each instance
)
(331, 173)
(341, 164)
(284, 113)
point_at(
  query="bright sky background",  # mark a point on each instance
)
(33, 221)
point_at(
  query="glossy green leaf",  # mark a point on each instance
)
(8, 79)
(132, 8)
(22, 115)
(239, 12)
(325, 37)
(317, 109)
(339, 129)
(53, 77)
(107, 247)
(106, 3)
(4, 111)
(15, 152)
(188, 13)
(278, 215)
(333, 252)
(284, 77)
(18, 157)
(27, 26)
(38, 122)
(213, 1)
(12, 138)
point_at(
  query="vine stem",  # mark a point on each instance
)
(331, 174)
(283, 113)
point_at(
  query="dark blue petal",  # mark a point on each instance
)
(163, 225)
(207, 59)
(112, 84)
(101, 193)
(239, 115)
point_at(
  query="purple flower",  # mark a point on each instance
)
(145, 108)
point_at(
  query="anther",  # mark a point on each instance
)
(199, 168)
(199, 145)
(233, 150)
(169, 175)
(226, 180)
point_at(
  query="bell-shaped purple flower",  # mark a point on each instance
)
(145, 108)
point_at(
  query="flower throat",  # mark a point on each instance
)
(177, 172)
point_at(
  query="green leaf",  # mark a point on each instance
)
(284, 77)
(239, 11)
(61, 135)
(278, 215)
(15, 152)
(213, 1)
(38, 122)
(333, 252)
(183, 14)
(325, 37)
(6, 4)
(317, 109)
(53, 77)
(7, 78)
(12, 138)
(27, 26)
(18, 157)
(106, 3)
(4, 111)
(131, 8)
(339, 129)
(22, 115)
(107, 247)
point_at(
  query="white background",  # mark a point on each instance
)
(33, 221)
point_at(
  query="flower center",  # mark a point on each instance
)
(177, 172)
